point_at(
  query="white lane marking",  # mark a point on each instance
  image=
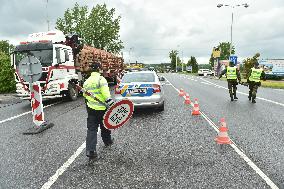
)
(239, 151)
(264, 99)
(63, 168)
(25, 113)
(206, 83)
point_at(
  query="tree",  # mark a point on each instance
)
(5, 47)
(99, 28)
(192, 62)
(7, 82)
(174, 57)
(224, 47)
(249, 63)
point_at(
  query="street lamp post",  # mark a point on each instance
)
(131, 48)
(176, 58)
(182, 60)
(232, 21)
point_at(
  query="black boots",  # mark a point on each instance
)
(109, 143)
(232, 99)
(91, 155)
(235, 96)
(253, 100)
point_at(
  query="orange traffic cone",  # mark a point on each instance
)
(181, 92)
(223, 137)
(195, 110)
(187, 99)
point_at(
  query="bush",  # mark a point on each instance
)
(7, 81)
(274, 77)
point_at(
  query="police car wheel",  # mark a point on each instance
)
(162, 107)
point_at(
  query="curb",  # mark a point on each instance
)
(9, 99)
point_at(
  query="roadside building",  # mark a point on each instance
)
(273, 66)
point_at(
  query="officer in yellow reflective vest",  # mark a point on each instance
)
(254, 77)
(232, 74)
(98, 85)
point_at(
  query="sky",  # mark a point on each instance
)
(150, 29)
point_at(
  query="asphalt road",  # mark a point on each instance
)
(170, 149)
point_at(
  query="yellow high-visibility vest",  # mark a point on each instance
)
(255, 75)
(99, 87)
(231, 72)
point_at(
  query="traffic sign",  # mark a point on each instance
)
(234, 59)
(30, 69)
(216, 53)
(118, 114)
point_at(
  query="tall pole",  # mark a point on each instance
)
(231, 44)
(131, 48)
(176, 62)
(182, 61)
(177, 58)
(232, 6)
(47, 19)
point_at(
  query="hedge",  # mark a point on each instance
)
(7, 80)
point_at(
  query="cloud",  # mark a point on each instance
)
(153, 28)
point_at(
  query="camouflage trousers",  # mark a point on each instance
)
(232, 86)
(253, 86)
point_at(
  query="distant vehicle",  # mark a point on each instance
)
(204, 72)
(142, 88)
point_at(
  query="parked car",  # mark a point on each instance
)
(204, 72)
(142, 88)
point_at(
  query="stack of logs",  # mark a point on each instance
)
(88, 55)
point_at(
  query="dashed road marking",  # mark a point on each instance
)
(238, 151)
(206, 83)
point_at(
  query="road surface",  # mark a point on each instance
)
(170, 149)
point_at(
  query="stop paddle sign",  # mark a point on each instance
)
(118, 114)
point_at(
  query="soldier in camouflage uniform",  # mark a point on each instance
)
(254, 77)
(232, 74)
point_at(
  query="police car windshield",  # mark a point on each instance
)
(138, 77)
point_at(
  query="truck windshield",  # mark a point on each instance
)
(44, 56)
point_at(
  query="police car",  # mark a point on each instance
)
(143, 88)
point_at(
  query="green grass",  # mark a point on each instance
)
(273, 84)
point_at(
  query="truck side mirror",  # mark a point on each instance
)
(66, 55)
(58, 57)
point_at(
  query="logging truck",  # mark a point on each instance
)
(62, 58)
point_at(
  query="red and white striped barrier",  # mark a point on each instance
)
(36, 103)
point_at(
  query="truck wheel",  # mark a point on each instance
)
(72, 93)
(115, 81)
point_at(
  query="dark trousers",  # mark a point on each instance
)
(232, 86)
(94, 120)
(253, 86)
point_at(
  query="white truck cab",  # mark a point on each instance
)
(57, 63)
